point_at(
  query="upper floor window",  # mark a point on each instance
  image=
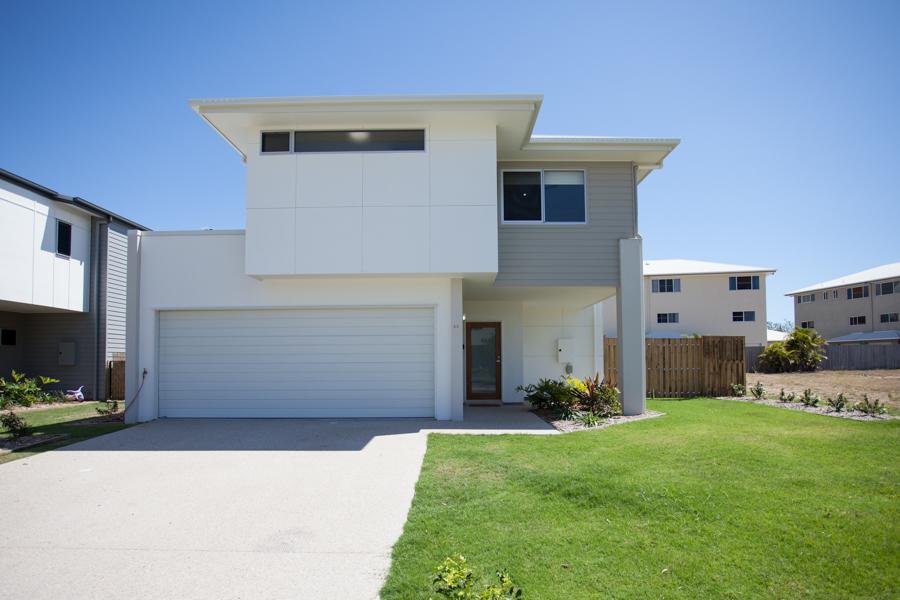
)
(7, 337)
(807, 324)
(743, 282)
(63, 238)
(890, 318)
(666, 317)
(860, 320)
(368, 140)
(276, 141)
(544, 197)
(743, 315)
(803, 299)
(664, 286)
(830, 295)
(861, 291)
(886, 288)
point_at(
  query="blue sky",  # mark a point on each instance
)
(789, 113)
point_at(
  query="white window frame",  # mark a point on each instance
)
(290, 149)
(858, 323)
(807, 324)
(543, 221)
(56, 238)
(291, 133)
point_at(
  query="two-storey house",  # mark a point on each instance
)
(62, 290)
(860, 307)
(402, 256)
(683, 298)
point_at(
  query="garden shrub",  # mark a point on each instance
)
(454, 579)
(24, 391)
(589, 419)
(568, 397)
(758, 391)
(838, 403)
(782, 397)
(548, 394)
(14, 424)
(738, 389)
(870, 407)
(809, 398)
(800, 351)
(108, 407)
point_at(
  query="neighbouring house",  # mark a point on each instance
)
(402, 256)
(684, 298)
(62, 292)
(861, 307)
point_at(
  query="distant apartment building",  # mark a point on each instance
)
(683, 298)
(861, 307)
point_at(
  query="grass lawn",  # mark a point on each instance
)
(715, 499)
(68, 420)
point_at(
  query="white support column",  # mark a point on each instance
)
(133, 327)
(630, 317)
(456, 350)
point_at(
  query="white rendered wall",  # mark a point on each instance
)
(205, 270)
(529, 335)
(704, 307)
(381, 213)
(32, 271)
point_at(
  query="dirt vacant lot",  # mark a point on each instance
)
(881, 384)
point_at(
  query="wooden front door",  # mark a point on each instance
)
(483, 365)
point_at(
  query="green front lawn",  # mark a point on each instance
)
(715, 499)
(69, 420)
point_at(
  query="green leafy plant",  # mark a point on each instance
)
(454, 579)
(596, 396)
(548, 394)
(758, 391)
(108, 407)
(782, 397)
(802, 350)
(838, 403)
(20, 390)
(589, 419)
(14, 424)
(738, 389)
(870, 407)
(809, 398)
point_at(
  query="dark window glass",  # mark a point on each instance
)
(756, 282)
(749, 315)
(522, 196)
(63, 238)
(384, 140)
(276, 141)
(564, 197)
(744, 283)
(8, 337)
(737, 316)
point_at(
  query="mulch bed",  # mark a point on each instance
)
(568, 426)
(26, 441)
(822, 409)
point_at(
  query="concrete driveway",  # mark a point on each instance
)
(219, 508)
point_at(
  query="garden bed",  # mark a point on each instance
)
(822, 409)
(569, 425)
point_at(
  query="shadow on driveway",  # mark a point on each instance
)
(305, 434)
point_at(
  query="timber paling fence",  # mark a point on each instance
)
(115, 378)
(849, 357)
(703, 366)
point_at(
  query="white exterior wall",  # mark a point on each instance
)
(704, 307)
(205, 270)
(379, 212)
(528, 342)
(32, 271)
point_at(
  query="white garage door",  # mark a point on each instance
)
(376, 362)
